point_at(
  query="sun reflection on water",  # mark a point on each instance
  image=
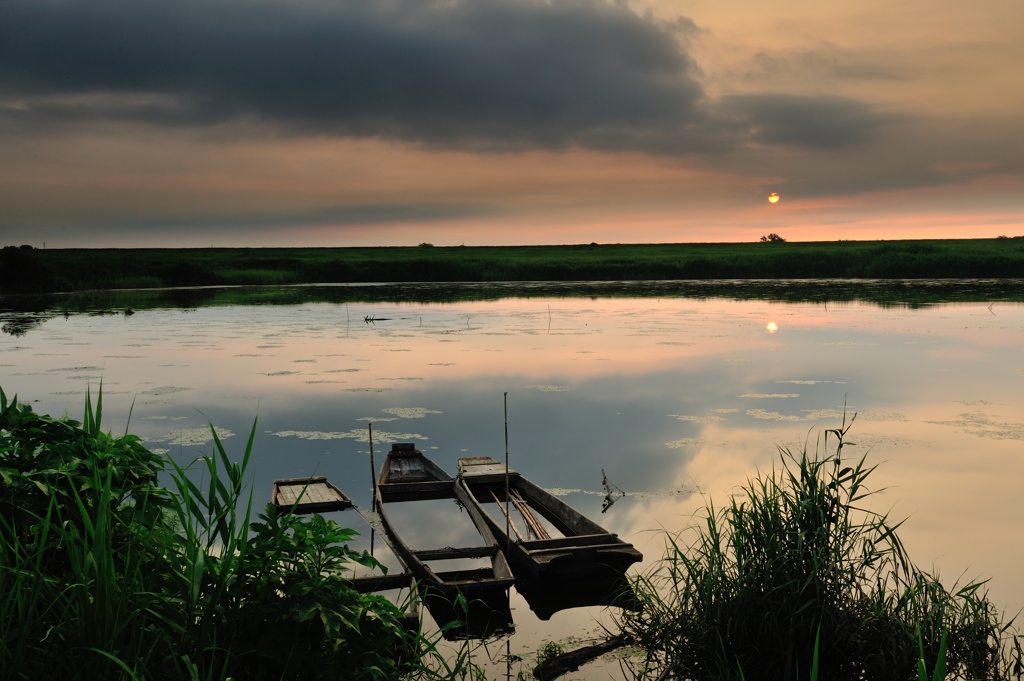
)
(661, 394)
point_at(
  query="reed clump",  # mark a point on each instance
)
(104, 574)
(797, 578)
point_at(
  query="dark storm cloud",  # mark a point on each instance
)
(486, 74)
(803, 121)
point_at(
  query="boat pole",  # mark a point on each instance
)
(373, 475)
(508, 518)
(508, 546)
(373, 482)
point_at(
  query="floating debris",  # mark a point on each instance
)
(165, 390)
(819, 414)
(881, 416)
(410, 412)
(188, 437)
(696, 419)
(70, 368)
(771, 415)
(549, 388)
(979, 424)
(844, 343)
(359, 435)
(612, 493)
(686, 442)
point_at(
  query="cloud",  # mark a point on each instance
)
(803, 121)
(482, 73)
(459, 74)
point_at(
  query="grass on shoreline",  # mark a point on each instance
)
(28, 270)
(106, 575)
(795, 579)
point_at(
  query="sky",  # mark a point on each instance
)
(128, 123)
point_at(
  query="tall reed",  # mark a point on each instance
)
(106, 575)
(796, 573)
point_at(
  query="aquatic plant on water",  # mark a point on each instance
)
(106, 575)
(797, 574)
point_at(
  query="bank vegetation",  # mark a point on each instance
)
(24, 269)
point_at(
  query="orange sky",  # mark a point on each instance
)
(483, 123)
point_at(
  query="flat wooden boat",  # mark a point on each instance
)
(464, 602)
(584, 564)
(308, 495)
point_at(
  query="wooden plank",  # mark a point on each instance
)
(401, 580)
(292, 481)
(600, 549)
(308, 495)
(483, 467)
(416, 491)
(450, 553)
(604, 540)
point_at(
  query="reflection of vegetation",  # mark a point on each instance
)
(548, 650)
(19, 325)
(92, 269)
(105, 575)
(20, 313)
(793, 568)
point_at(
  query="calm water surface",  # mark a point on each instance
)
(676, 400)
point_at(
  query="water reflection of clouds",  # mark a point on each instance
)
(661, 395)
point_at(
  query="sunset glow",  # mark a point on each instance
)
(668, 121)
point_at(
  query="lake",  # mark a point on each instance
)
(674, 396)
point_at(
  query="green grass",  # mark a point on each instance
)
(795, 579)
(33, 270)
(106, 575)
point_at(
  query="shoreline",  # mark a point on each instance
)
(25, 269)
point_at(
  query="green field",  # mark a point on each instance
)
(25, 270)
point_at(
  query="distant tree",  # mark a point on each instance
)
(773, 237)
(426, 244)
(21, 271)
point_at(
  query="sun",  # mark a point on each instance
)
(773, 197)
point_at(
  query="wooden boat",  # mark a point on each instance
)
(585, 565)
(308, 495)
(464, 602)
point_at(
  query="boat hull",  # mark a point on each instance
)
(584, 567)
(465, 603)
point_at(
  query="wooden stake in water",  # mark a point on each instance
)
(508, 538)
(373, 482)
(373, 475)
(508, 518)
